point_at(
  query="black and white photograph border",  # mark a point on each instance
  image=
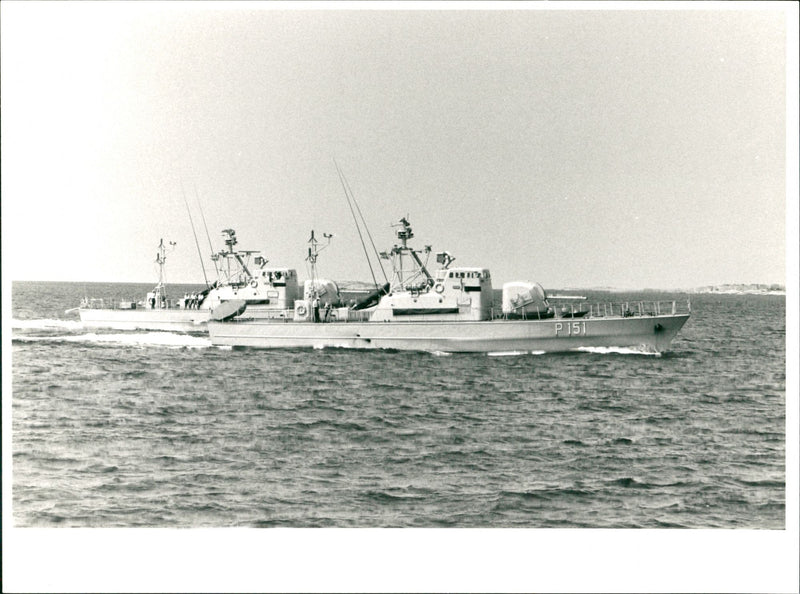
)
(417, 559)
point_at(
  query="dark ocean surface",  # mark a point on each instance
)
(120, 429)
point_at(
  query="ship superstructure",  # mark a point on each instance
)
(451, 310)
(243, 277)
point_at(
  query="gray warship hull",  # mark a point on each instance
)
(170, 320)
(647, 333)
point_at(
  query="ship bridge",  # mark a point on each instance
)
(469, 285)
(468, 278)
(277, 277)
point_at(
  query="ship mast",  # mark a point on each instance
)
(402, 277)
(243, 274)
(160, 290)
(231, 241)
(313, 253)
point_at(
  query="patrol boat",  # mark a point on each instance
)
(451, 310)
(258, 287)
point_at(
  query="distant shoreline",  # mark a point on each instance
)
(709, 290)
(735, 292)
(742, 289)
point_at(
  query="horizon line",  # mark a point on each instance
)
(781, 286)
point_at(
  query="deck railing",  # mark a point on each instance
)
(581, 309)
(624, 309)
(106, 303)
(97, 303)
(287, 315)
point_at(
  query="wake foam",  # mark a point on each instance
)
(145, 339)
(46, 324)
(513, 353)
(642, 350)
(440, 353)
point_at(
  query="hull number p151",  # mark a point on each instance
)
(570, 328)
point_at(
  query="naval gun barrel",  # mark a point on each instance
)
(372, 298)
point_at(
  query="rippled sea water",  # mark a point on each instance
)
(120, 429)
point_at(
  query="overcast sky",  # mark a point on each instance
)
(574, 148)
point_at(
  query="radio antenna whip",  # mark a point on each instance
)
(197, 243)
(364, 222)
(350, 201)
(200, 207)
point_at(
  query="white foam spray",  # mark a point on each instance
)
(619, 351)
(46, 324)
(140, 339)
